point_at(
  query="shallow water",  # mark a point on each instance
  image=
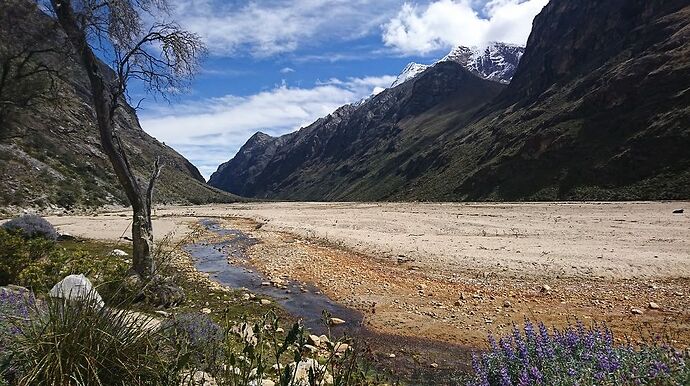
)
(413, 368)
(212, 258)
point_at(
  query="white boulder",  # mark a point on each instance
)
(76, 287)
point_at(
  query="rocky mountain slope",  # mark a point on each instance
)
(599, 108)
(365, 150)
(50, 152)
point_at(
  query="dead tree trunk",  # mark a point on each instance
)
(105, 101)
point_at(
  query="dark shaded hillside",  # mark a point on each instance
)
(50, 152)
(359, 152)
(598, 109)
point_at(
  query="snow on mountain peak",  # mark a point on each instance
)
(411, 70)
(497, 62)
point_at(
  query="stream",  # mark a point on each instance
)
(213, 258)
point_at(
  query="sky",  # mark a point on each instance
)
(277, 65)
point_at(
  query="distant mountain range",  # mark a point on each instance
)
(51, 156)
(598, 108)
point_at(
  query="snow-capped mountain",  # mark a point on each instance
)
(411, 70)
(496, 62)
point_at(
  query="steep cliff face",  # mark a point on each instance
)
(599, 108)
(51, 153)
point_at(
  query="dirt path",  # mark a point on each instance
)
(453, 272)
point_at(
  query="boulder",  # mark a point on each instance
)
(302, 372)
(76, 287)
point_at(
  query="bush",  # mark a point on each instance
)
(17, 253)
(78, 343)
(16, 308)
(576, 356)
(39, 264)
(31, 225)
(197, 335)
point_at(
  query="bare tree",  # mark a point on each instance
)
(159, 53)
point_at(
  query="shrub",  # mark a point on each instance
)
(576, 356)
(39, 264)
(197, 335)
(15, 311)
(81, 344)
(31, 225)
(17, 253)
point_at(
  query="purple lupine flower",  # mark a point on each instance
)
(507, 348)
(536, 375)
(524, 379)
(505, 376)
(529, 331)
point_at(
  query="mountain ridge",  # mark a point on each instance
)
(52, 156)
(597, 109)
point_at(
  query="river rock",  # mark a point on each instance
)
(336, 321)
(315, 340)
(654, 306)
(76, 287)
(302, 369)
(324, 339)
(198, 378)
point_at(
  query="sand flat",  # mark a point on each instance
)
(616, 240)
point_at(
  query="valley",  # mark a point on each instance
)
(452, 273)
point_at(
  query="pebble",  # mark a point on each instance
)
(654, 306)
(391, 355)
(206, 311)
(546, 288)
(636, 311)
(337, 321)
(434, 365)
(265, 302)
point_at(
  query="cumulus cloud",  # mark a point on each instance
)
(449, 23)
(269, 27)
(210, 131)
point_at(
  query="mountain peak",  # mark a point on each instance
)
(496, 62)
(410, 71)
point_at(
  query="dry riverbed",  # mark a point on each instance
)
(453, 272)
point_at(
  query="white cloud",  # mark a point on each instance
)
(286, 70)
(211, 131)
(449, 23)
(270, 27)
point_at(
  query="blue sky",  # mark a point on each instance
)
(275, 66)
